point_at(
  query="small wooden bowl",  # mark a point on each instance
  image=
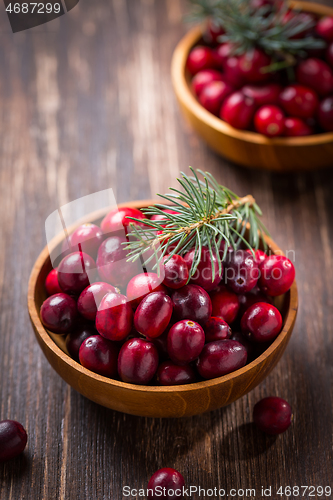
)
(151, 401)
(248, 148)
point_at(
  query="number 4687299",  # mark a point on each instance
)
(30, 8)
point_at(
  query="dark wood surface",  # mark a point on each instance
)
(86, 103)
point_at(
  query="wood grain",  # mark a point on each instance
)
(86, 103)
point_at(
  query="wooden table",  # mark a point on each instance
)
(86, 103)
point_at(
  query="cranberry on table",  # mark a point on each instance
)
(261, 322)
(325, 114)
(117, 219)
(221, 357)
(192, 302)
(241, 272)
(263, 94)
(75, 338)
(316, 74)
(324, 28)
(137, 361)
(295, 127)
(58, 313)
(175, 272)
(213, 95)
(169, 373)
(51, 283)
(153, 314)
(200, 58)
(87, 238)
(13, 439)
(141, 285)
(75, 272)
(238, 110)
(186, 340)
(99, 355)
(114, 317)
(272, 415)
(299, 101)
(204, 77)
(277, 274)
(90, 299)
(203, 275)
(225, 304)
(168, 481)
(269, 121)
(259, 255)
(252, 65)
(217, 329)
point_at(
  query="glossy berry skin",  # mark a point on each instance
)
(325, 114)
(223, 52)
(232, 72)
(225, 304)
(117, 219)
(90, 299)
(272, 415)
(112, 264)
(137, 361)
(186, 340)
(259, 255)
(114, 317)
(87, 238)
(213, 95)
(167, 480)
(238, 110)
(75, 272)
(295, 127)
(164, 216)
(269, 121)
(316, 74)
(217, 329)
(58, 313)
(299, 101)
(324, 28)
(175, 272)
(143, 284)
(203, 276)
(204, 77)
(193, 303)
(200, 58)
(13, 439)
(277, 274)
(153, 314)
(51, 283)
(263, 94)
(261, 322)
(221, 357)
(252, 64)
(169, 373)
(75, 338)
(99, 355)
(241, 271)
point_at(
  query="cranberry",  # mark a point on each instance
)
(232, 72)
(204, 77)
(325, 114)
(161, 343)
(175, 272)
(324, 28)
(269, 121)
(299, 101)
(167, 481)
(252, 65)
(114, 316)
(247, 300)
(90, 299)
(241, 271)
(295, 127)
(203, 275)
(213, 95)
(112, 264)
(238, 110)
(143, 284)
(193, 303)
(259, 255)
(249, 346)
(263, 94)
(224, 51)
(117, 219)
(75, 338)
(200, 58)
(170, 374)
(221, 357)
(261, 322)
(272, 415)
(277, 274)
(51, 283)
(316, 74)
(329, 54)
(58, 313)
(164, 217)
(99, 355)
(153, 314)
(225, 304)
(217, 329)
(213, 32)
(75, 272)
(87, 238)
(185, 341)
(13, 439)
(137, 361)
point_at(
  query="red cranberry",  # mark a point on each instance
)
(263, 94)
(221, 357)
(185, 341)
(193, 303)
(164, 217)
(58, 313)
(213, 32)
(259, 255)
(91, 297)
(170, 374)
(224, 51)
(249, 346)
(325, 114)
(74, 339)
(277, 274)
(295, 127)
(213, 95)
(114, 317)
(225, 304)
(316, 74)
(117, 219)
(165, 483)
(87, 238)
(272, 415)
(262, 322)
(51, 283)
(217, 329)
(247, 300)
(238, 110)
(75, 272)
(203, 275)
(204, 77)
(241, 271)
(299, 101)
(324, 28)
(137, 361)
(232, 72)
(329, 54)
(99, 355)
(161, 344)
(252, 65)
(153, 314)
(13, 439)
(143, 284)
(200, 58)
(112, 264)
(175, 272)
(269, 121)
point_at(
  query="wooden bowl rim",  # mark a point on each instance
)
(46, 339)
(185, 95)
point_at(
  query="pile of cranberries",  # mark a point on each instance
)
(127, 323)
(237, 88)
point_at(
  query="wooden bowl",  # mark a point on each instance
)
(248, 148)
(150, 401)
